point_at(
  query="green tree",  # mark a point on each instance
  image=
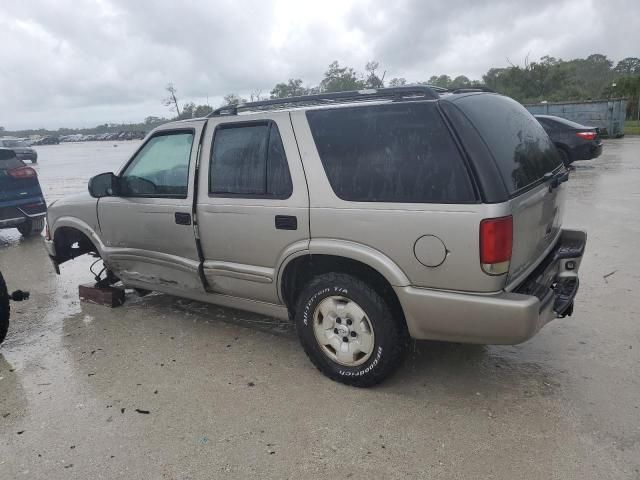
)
(187, 111)
(340, 79)
(461, 82)
(233, 99)
(292, 88)
(628, 66)
(397, 82)
(202, 111)
(443, 81)
(373, 80)
(629, 86)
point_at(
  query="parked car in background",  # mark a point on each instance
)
(366, 217)
(5, 309)
(573, 141)
(21, 149)
(22, 204)
(46, 140)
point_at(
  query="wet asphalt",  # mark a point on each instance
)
(166, 388)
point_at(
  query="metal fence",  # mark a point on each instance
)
(609, 114)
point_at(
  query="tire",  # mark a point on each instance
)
(565, 157)
(369, 350)
(31, 227)
(4, 309)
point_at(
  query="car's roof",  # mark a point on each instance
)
(564, 121)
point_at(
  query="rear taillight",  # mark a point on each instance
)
(496, 243)
(587, 135)
(22, 172)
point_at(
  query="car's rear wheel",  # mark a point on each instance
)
(31, 227)
(4, 309)
(348, 330)
(564, 155)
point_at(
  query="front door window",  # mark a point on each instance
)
(160, 168)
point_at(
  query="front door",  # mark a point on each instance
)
(148, 228)
(253, 204)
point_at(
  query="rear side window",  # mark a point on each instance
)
(564, 122)
(520, 146)
(8, 160)
(248, 160)
(547, 125)
(390, 153)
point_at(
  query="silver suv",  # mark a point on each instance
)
(366, 217)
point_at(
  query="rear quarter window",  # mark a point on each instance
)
(390, 153)
(9, 161)
(518, 143)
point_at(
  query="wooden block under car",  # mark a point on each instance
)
(108, 296)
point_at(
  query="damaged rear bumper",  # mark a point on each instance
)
(504, 317)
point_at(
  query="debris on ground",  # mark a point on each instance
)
(145, 412)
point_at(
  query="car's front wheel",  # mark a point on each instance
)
(31, 227)
(349, 331)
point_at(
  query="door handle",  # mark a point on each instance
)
(286, 222)
(183, 218)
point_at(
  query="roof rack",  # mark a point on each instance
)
(391, 93)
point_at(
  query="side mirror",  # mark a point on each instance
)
(103, 185)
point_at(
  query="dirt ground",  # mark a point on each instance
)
(164, 388)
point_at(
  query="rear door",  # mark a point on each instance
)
(523, 154)
(253, 203)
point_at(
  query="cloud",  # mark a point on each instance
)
(70, 63)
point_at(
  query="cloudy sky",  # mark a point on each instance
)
(80, 63)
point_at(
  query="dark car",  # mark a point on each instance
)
(5, 309)
(48, 140)
(22, 150)
(573, 141)
(22, 204)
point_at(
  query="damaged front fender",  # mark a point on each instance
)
(71, 239)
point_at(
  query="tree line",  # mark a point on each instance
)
(548, 79)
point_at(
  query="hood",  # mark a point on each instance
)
(80, 205)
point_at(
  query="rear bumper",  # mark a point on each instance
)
(505, 317)
(596, 150)
(13, 215)
(587, 151)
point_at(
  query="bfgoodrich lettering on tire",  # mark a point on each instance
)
(348, 330)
